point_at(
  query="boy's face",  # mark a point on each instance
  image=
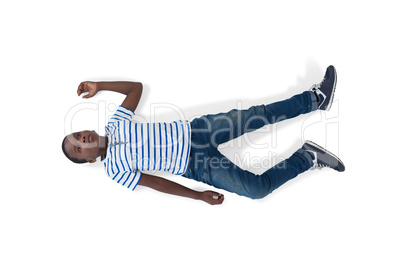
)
(83, 145)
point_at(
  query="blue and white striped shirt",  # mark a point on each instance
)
(135, 147)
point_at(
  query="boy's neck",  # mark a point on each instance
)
(103, 143)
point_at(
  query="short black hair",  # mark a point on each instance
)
(75, 160)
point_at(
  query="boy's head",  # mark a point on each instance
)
(82, 147)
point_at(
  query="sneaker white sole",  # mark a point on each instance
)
(333, 92)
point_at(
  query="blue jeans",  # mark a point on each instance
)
(208, 165)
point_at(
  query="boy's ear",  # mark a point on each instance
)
(92, 160)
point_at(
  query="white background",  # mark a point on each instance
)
(204, 57)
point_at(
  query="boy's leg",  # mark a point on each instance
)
(221, 173)
(219, 128)
(211, 167)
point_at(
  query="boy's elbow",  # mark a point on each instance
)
(139, 86)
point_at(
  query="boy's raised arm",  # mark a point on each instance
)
(132, 90)
(170, 187)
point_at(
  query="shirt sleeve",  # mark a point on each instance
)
(128, 179)
(121, 113)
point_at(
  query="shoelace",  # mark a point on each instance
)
(320, 166)
(317, 86)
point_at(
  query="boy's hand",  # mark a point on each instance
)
(212, 198)
(89, 87)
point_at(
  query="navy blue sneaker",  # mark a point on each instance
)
(326, 89)
(323, 158)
